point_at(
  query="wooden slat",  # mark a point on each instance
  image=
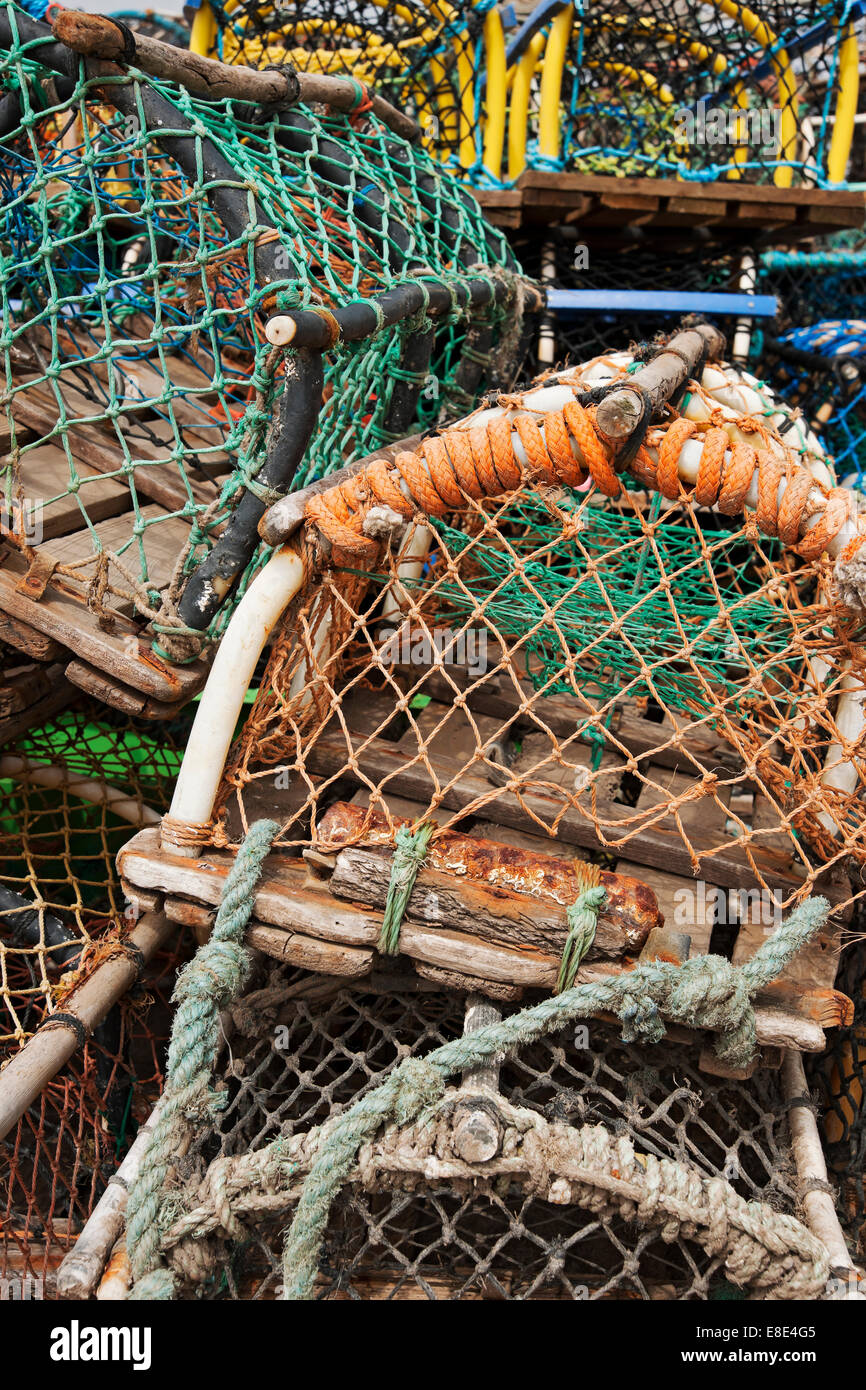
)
(44, 474)
(731, 206)
(63, 615)
(162, 539)
(720, 859)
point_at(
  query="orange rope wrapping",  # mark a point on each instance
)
(457, 466)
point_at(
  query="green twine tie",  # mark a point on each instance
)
(582, 916)
(410, 851)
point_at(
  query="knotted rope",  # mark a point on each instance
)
(207, 984)
(706, 992)
(582, 917)
(410, 851)
(564, 448)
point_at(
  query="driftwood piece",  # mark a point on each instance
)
(286, 516)
(620, 413)
(97, 36)
(818, 1204)
(500, 915)
(468, 984)
(308, 953)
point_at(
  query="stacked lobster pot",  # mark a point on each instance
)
(560, 733)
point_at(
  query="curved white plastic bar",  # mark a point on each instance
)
(222, 699)
(410, 567)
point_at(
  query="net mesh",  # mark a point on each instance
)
(303, 1049)
(709, 91)
(62, 910)
(564, 261)
(816, 354)
(641, 678)
(138, 267)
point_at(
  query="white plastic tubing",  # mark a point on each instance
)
(264, 602)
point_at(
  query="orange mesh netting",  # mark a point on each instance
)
(643, 677)
(72, 789)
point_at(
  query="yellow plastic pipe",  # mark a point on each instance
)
(202, 38)
(518, 111)
(741, 150)
(552, 68)
(787, 83)
(846, 107)
(494, 131)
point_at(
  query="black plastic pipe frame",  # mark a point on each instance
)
(288, 437)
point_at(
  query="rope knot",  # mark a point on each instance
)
(709, 992)
(641, 1021)
(410, 851)
(582, 917)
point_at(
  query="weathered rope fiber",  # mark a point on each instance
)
(706, 992)
(582, 917)
(410, 851)
(210, 981)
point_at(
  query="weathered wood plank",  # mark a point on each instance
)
(309, 910)
(63, 615)
(651, 838)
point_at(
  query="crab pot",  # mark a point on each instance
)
(711, 97)
(565, 683)
(148, 419)
(417, 1221)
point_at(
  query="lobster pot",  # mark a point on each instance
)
(427, 59)
(563, 688)
(417, 1221)
(148, 238)
(711, 93)
(825, 281)
(72, 787)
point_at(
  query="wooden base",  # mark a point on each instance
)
(731, 209)
(299, 920)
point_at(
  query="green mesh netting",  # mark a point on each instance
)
(146, 237)
(626, 584)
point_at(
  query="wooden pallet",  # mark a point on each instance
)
(731, 209)
(468, 932)
(104, 656)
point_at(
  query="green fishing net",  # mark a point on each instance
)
(146, 236)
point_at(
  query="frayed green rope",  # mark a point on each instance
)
(410, 851)
(582, 916)
(207, 984)
(705, 992)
